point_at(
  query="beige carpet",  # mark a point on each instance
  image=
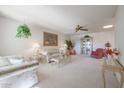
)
(81, 72)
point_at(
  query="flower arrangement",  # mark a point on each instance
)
(116, 53)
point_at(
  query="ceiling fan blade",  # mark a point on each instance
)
(80, 28)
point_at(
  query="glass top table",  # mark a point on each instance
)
(110, 63)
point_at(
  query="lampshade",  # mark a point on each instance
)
(36, 46)
(108, 44)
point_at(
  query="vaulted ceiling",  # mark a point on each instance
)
(63, 18)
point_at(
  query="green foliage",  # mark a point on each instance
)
(69, 44)
(23, 31)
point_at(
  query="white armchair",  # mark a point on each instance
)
(51, 55)
(54, 55)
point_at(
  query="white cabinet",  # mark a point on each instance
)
(86, 45)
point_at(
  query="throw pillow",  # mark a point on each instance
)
(16, 61)
(4, 62)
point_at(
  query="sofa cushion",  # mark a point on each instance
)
(15, 59)
(4, 62)
(16, 67)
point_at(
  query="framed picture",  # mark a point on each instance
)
(50, 39)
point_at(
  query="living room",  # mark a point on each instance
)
(49, 33)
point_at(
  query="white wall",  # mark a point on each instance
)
(99, 39)
(10, 45)
(120, 32)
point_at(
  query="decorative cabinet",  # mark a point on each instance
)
(86, 45)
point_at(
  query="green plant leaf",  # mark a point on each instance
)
(69, 44)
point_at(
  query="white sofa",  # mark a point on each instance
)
(17, 72)
(51, 54)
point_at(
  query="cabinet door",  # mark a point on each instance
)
(86, 46)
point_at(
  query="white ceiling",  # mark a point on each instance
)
(63, 18)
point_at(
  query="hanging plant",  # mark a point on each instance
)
(23, 31)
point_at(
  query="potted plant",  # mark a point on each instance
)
(70, 49)
(23, 31)
(69, 44)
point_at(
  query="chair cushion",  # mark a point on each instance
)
(99, 53)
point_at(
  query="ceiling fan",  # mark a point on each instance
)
(80, 28)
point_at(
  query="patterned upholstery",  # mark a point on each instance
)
(19, 75)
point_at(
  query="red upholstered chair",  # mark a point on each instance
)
(99, 53)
